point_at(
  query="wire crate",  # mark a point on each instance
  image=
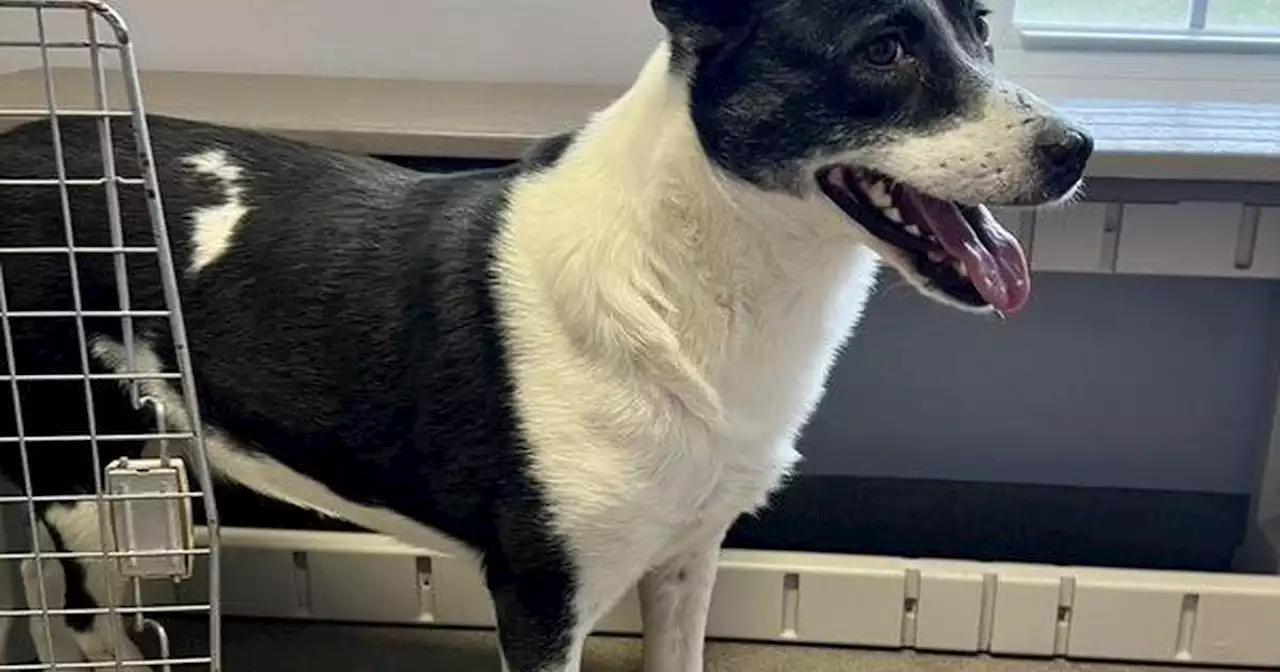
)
(97, 571)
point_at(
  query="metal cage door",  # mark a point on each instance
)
(154, 569)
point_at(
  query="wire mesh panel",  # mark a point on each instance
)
(100, 442)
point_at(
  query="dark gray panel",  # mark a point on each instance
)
(1000, 522)
(1173, 191)
(1104, 381)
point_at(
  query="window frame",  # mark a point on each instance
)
(1101, 71)
(1196, 37)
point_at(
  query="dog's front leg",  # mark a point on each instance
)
(675, 598)
(539, 629)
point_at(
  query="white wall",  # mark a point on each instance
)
(488, 40)
(596, 41)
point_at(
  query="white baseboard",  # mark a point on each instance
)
(1081, 613)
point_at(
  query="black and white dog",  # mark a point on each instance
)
(585, 366)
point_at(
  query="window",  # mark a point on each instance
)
(1178, 25)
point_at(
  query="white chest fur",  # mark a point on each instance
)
(671, 328)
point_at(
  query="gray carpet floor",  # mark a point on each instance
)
(294, 647)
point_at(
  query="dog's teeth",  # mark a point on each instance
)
(913, 230)
(879, 194)
(937, 257)
(896, 215)
(959, 267)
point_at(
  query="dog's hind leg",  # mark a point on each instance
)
(92, 584)
(547, 605)
(675, 598)
(52, 636)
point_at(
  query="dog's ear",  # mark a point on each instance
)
(702, 22)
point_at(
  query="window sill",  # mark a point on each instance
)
(1034, 38)
(1136, 139)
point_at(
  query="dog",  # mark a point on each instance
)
(584, 366)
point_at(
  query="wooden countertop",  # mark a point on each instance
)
(1140, 140)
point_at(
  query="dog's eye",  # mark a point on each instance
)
(983, 25)
(884, 52)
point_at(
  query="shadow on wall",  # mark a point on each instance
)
(1104, 381)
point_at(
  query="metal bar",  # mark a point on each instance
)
(165, 609)
(139, 619)
(52, 4)
(12, 113)
(1136, 30)
(82, 339)
(28, 483)
(120, 497)
(78, 250)
(39, 667)
(64, 181)
(31, 314)
(182, 351)
(70, 44)
(105, 438)
(1085, 38)
(1247, 237)
(1199, 15)
(109, 555)
(112, 195)
(120, 377)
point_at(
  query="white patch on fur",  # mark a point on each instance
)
(107, 638)
(214, 226)
(262, 474)
(51, 630)
(53, 638)
(670, 330)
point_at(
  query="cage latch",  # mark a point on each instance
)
(151, 513)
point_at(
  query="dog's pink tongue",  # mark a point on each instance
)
(997, 269)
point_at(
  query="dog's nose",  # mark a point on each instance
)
(1064, 150)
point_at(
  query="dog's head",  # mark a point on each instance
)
(890, 111)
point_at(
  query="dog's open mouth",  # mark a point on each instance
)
(959, 249)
